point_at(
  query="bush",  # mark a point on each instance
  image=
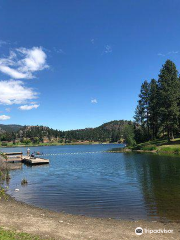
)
(129, 135)
(3, 193)
(149, 148)
(4, 171)
(4, 144)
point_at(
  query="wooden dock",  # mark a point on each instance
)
(13, 157)
(34, 161)
(17, 157)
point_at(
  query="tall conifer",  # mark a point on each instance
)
(168, 85)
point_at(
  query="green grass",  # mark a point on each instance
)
(149, 148)
(160, 146)
(172, 149)
(12, 235)
(3, 193)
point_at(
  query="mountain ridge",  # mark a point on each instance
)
(107, 132)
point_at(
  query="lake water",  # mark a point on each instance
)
(94, 183)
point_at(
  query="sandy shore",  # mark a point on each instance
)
(47, 224)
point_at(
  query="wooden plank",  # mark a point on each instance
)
(13, 157)
(13, 153)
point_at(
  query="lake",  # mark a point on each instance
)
(85, 180)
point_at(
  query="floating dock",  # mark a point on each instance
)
(15, 157)
(34, 161)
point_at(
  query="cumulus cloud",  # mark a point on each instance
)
(28, 107)
(23, 62)
(4, 117)
(94, 101)
(13, 73)
(15, 92)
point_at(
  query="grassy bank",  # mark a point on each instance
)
(160, 146)
(12, 235)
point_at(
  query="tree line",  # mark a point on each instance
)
(158, 111)
(108, 132)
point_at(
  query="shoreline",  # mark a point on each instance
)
(19, 216)
(122, 150)
(58, 144)
(129, 150)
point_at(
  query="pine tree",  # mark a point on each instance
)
(142, 111)
(153, 108)
(168, 98)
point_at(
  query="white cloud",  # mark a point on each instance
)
(169, 53)
(4, 117)
(173, 52)
(58, 50)
(3, 43)
(14, 92)
(23, 62)
(28, 107)
(12, 72)
(94, 101)
(108, 49)
(160, 54)
(8, 109)
(92, 41)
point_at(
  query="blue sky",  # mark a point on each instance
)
(77, 63)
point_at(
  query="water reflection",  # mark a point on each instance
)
(118, 185)
(159, 180)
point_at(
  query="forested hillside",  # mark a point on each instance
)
(113, 131)
(10, 127)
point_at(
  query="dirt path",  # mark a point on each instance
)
(22, 217)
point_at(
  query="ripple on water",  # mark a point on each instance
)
(125, 186)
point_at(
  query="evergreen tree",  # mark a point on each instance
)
(168, 98)
(153, 108)
(142, 111)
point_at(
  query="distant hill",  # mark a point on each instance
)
(10, 128)
(107, 132)
(110, 131)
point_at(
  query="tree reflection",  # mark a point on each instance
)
(159, 180)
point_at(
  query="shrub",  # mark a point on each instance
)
(4, 144)
(149, 148)
(4, 171)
